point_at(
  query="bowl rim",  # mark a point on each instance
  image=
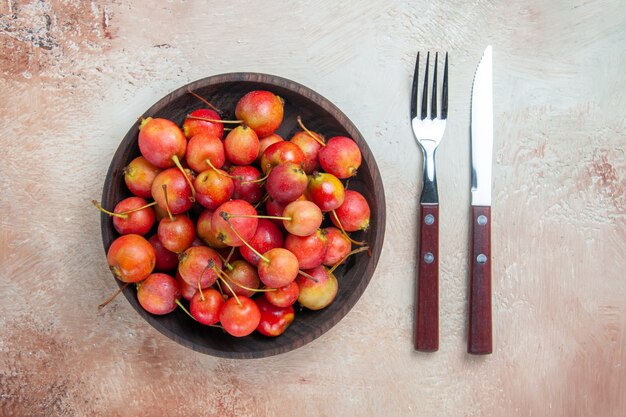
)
(319, 100)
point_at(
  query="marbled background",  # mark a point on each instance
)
(74, 75)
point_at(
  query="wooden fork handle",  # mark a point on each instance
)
(427, 297)
(479, 338)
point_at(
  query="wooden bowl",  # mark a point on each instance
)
(319, 115)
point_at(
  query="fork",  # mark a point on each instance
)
(428, 128)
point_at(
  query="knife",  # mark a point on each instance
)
(479, 337)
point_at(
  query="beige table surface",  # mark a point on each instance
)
(76, 74)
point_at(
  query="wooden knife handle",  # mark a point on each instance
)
(479, 339)
(427, 296)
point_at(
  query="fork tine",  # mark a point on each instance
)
(444, 93)
(414, 88)
(433, 104)
(425, 90)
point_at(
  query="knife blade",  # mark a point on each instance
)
(480, 320)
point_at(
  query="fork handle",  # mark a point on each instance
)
(427, 296)
(479, 338)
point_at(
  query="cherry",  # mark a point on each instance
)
(265, 142)
(302, 217)
(196, 266)
(310, 148)
(325, 190)
(205, 232)
(131, 258)
(284, 296)
(338, 246)
(278, 267)
(132, 215)
(353, 214)
(243, 279)
(310, 143)
(241, 145)
(310, 250)
(275, 209)
(319, 293)
(341, 157)
(205, 306)
(176, 233)
(194, 125)
(163, 144)
(261, 110)
(267, 236)
(213, 187)
(179, 195)
(139, 175)
(160, 140)
(286, 182)
(280, 152)
(274, 320)
(229, 231)
(240, 316)
(187, 291)
(202, 147)
(158, 293)
(166, 260)
(247, 187)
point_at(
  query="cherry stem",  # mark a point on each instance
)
(309, 276)
(230, 254)
(260, 216)
(313, 135)
(124, 214)
(189, 314)
(221, 172)
(227, 265)
(167, 204)
(344, 231)
(361, 249)
(177, 301)
(189, 116)
(203, 100)
(180, 167)
(110, 213)
(257, 180)
(112, 297)
(263, 200)
(219, 287)
(200, 287)
(226, 217)
(232, 281)
(219, 275)
(138, 208)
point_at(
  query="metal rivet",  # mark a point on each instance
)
(482, 220)
(481, 258)
(429, 219)
(429, 258)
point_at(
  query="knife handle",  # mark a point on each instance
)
(427, 296)
(479, 339)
